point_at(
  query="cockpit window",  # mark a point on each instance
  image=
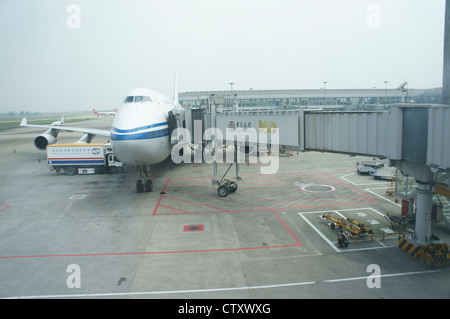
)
(130, 99)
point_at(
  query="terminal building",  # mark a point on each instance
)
(334, 99)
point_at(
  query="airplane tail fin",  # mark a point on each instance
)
(59, 123)
(175, 89)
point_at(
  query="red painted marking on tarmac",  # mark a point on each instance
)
(256, 198)
(171, 252)
(287, 228)
(149, 253)
(212, 212)
(172, 208)
(214, 198)
(366, 199)
(193, 228)
(190, 202)
(160, 197)
(6, 207)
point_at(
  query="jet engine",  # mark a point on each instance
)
(43, 140)
(48, 138)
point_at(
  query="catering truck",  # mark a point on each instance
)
(83, 158)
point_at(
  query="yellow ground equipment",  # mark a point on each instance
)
(358, 229)
(390, 190)
(360, 225)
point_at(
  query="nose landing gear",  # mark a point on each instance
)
(145, 184)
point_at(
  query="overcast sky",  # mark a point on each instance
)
(58, 57)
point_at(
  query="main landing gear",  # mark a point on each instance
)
(144, 184)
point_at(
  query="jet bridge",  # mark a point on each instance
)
(413, 138)
(355, 133)
(236, 135)
(416, 133)
(198, 121)
(405, 133)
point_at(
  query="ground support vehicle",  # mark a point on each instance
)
(83, 158)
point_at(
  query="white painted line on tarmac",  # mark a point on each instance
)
(338, 212)
(77, 196)
(320, 233)
(190, 291)
(346, 179)
(369, 190)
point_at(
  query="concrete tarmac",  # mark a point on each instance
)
(93, 236)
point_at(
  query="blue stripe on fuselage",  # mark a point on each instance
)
(116, 130)
(140, 136)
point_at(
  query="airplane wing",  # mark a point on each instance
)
(49, 136)
(92, 131)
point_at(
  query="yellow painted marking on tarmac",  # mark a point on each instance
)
(156, 171)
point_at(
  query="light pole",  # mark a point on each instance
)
(232, 97)
(325, 92)
(385, 91)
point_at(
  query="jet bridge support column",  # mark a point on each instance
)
(423, 215)
(213, 137)
(424, 177)
(238, 169)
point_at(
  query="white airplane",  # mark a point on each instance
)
(104, 113)
(139, 133)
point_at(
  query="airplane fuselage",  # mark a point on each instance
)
(140, 131)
